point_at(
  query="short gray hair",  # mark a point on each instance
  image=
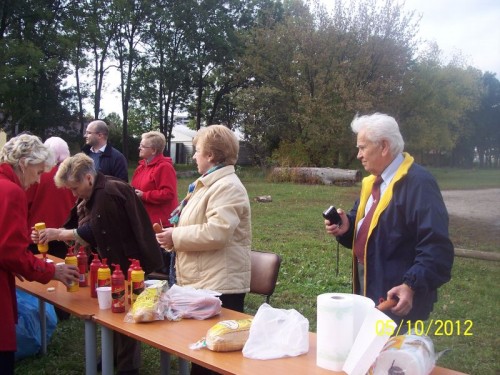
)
(74, 169)
(379, 127)
(157, 139)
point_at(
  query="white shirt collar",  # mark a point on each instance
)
(99, 150)
(389, 173)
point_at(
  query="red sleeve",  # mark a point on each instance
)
(14, 239)
(165, 180)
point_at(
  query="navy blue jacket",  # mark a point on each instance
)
(111, 163)
(408, 242)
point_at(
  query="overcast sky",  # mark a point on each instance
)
(471, 27)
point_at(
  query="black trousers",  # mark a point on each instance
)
(7, 360)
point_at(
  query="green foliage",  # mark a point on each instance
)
(292, 226)
(278, 71)
(32, 68)
(290, 154)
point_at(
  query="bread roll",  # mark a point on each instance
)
(228, 335)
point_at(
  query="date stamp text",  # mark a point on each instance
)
(432, 327)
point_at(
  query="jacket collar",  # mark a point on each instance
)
(7, 170)
(366, 189)
(107, 150)
(156, 160)
(211, 178)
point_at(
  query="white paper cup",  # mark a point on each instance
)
(104, 297)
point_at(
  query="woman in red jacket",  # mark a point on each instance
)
(47, 202)
(155, 183)
(155, 180)
(22, 160)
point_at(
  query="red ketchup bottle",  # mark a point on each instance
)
(133, 264)
(83, 264)
(103, 274)
(117, 290)
(94, 267)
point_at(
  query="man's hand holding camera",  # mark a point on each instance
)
(336, 222)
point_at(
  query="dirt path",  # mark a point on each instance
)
(481, 205)
(474, 218)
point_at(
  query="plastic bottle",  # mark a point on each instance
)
(133, 264)
(42, 247)
(83, 265)
(94, 267)
(137, 280)
(71, 259)
(117, 290)
(103, 274)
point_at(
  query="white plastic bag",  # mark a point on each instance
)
(185, 302)
(277, 333)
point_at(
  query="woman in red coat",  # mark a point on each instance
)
(49, 204)
(22, 160)
(155, 180)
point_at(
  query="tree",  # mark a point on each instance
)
(434, 103)
(316, 70)
(132, 16)
(32, 66)
(486, 119)
(102, 29)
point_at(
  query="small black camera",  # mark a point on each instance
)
(332, 215)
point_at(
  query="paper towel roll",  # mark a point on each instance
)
(339, 318)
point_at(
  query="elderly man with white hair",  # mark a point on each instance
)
(398, 228)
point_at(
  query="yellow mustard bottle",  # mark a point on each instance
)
(72, 259)
(42, 247)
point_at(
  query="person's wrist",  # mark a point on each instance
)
(410, 288)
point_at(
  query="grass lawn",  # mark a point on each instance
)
(292, 226)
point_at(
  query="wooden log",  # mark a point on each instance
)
(326, 176)
(263, 199)
(484, 255)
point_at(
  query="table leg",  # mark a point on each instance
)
(183, 366)
(164, 363)
(107, 350)
(43, 325)
(90, 347)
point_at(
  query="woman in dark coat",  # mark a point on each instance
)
(110, 218)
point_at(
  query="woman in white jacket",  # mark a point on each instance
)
(212, 235)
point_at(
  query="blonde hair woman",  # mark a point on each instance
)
(48, 203)
(212, 234)
(23, 159)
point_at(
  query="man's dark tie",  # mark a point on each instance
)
(360, 241)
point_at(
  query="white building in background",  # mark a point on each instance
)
(181, 144)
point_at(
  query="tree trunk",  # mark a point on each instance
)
(327, 176)
(484, 255)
